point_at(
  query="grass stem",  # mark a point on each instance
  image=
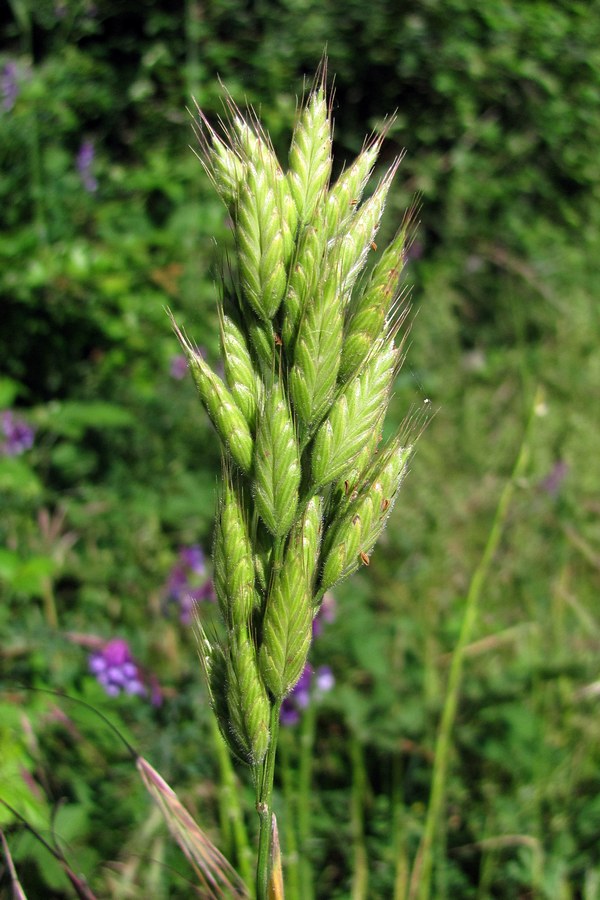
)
(420, 886)
(264, 794)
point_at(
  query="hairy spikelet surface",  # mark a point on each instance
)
(310, 156)
(354, 415)
(276, 464)
(287, 624)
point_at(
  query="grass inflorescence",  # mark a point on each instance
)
(311, 346)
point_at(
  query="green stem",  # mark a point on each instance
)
(292, 874)
(422, 870)
(399, 831)
(305, 770)
(264, 793)
(50, 612)
(230, 809)
(360, 878)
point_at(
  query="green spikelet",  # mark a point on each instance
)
(303, 279)
(233, 558)
(263, 551)
(260, 242)
(309, 531)
(221, 407)
(353, 416)
(214, 663)
(287, 624)
(345, 195)
(317, 357)
(247, 700)
(244, 384)
(310, 156)
(276, 464)
(353, 535)
(227, 171)
(350, 250)
(262, 341)
(368, 318)
(346, 490)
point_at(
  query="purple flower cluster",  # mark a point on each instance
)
(187, 583)
(17, 433)
(116, 670)
(312, 683)
(85, 161)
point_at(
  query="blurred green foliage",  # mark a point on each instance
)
(498, 107)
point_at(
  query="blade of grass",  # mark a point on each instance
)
(420, 886)
(360, 875)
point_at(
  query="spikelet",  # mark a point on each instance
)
(304, 277)
(260, 241)
(310, 155)
(233, 558)
(287, 623)
(367, 320)
(317, 357)
(242, 379)
(353, 416)
(345, 195)
(247, 701)
(229, 422)
(353, 534)
(351, 248)
(277, 464)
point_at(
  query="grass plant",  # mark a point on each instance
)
(311, 345)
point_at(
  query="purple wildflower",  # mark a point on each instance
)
(552, 483)
(327, 613)
(9, 87)
(311, 685)
(85, 160)
(187, 583)
(116, 670)
(178, 366)
(19, 435)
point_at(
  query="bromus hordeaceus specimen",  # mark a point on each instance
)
(310, 350)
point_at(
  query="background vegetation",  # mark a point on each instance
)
(108, 467)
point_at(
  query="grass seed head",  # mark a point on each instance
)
(309, 357)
